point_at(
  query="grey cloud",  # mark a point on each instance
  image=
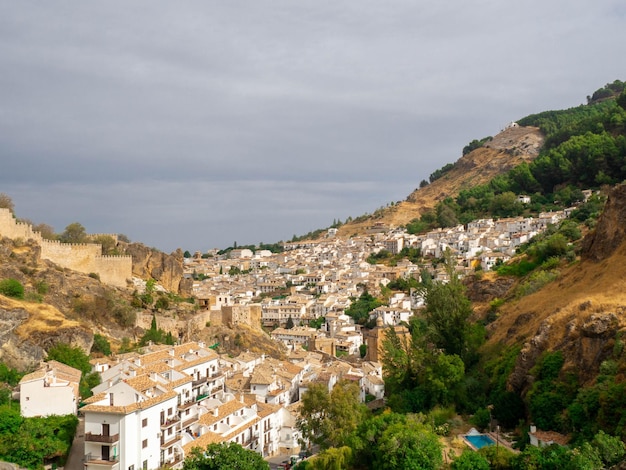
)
(187, 124)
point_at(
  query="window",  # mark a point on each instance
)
(132, 467)
(169, 412)
(144, 443)
(144, 422)
(145, 465)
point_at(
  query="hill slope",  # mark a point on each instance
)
(581, 312)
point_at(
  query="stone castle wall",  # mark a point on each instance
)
(82, 257)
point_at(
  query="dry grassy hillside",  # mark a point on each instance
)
(507, 150)
(581, 312)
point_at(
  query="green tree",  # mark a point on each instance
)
(101, 345)
(470, 460)
(154, 334)
(74, 233)
(9, 375)
(359, 309)
(75, 357)
(7, 203)
(162, 302)
(447, 313)
(506, 205)
(364, 441)
(409, 446)
(10, 420)
(108, 244)
(29, 442)
(72, 356)
(498, 456)
(222, 456)
(335, 458)
(328, 419)
(446, 216)
(12, 288)
(610, 449)
(47, 231)
(289, 324)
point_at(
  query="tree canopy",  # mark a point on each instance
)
(73, 233)
(327, 419)
(225, 455)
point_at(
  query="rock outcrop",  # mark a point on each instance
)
(610, 232)
(28, 330)
(166, 269)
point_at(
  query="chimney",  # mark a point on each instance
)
(215, 413)
(533, 429)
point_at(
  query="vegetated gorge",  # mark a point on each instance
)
(536, 344)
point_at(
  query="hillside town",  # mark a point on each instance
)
(152, 407)
(313, 283)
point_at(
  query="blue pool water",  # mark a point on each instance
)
(479, 440)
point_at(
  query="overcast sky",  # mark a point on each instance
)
(196, 124)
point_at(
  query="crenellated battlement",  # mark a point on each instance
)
(97, 235)
(76, 246)
(115, 257)
(82, 257)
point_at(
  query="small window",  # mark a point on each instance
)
(145, 465)
(144, 443)
(169, 412)
(144, 422)
(132, 467)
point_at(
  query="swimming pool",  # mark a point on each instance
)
(479, 440)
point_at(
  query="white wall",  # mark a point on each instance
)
(37, 400)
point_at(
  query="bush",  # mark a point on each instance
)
(12, 288)
(470, 460)
(162, 303)
(42, 287)
(536, 281)
(101, 345)
(518, 269)
(481, 419)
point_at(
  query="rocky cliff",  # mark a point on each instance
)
(610, 232)
(28, 330)
(166, 269)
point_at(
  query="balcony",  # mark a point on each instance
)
(187, 404)
(178, 457)
(90, 437)
(196, 383)
(192, 419)
(91, 459)
(175, 439)
(169, 422)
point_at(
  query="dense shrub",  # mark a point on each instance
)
(12, 288)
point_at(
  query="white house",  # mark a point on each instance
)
(50, 390)
(132, 425)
